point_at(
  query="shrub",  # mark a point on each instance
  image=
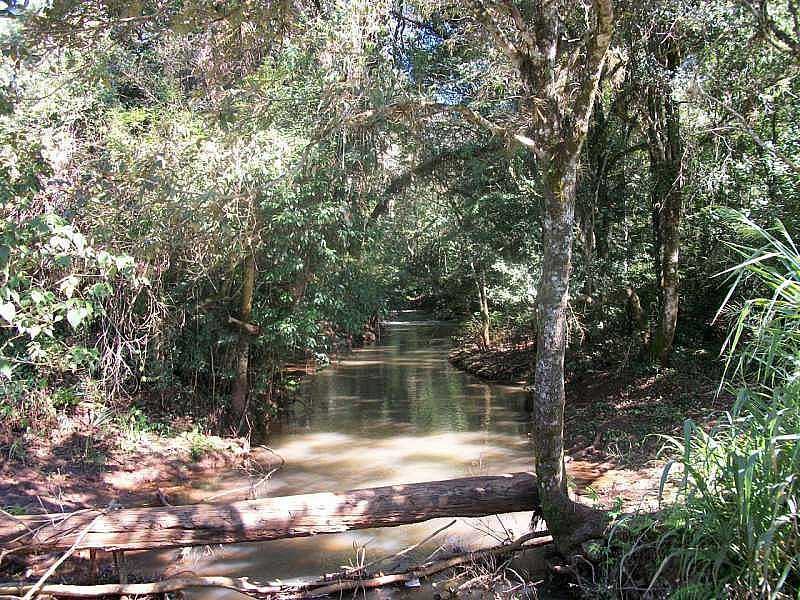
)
(735, 524)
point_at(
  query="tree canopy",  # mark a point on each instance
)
(194, 194)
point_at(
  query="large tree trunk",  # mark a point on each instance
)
(271, 518)
(240, 385)
(548, 386)
(559, 93)
(666, 153)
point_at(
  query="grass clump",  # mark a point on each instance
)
(735, 521)
(734, 527)
(730, 520)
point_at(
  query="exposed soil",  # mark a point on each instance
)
(76, 466)
(617, 414)
(509, 363)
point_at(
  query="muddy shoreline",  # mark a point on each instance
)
(613, 415)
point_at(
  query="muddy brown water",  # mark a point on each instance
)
(395, 412)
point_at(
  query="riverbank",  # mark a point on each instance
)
(64, 448)
(616, 412)
(74, 467)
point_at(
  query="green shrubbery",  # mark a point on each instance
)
(734, 525)
(731, 528)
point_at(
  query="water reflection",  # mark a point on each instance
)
(393, 413)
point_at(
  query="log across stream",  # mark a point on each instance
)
(386, 414)
(270, 518)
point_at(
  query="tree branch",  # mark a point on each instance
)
(596, 50)
(504, 43)
(773, 33)
(766, 146)
(398, 184)
(425, 109)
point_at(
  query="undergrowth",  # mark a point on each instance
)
(729, 525)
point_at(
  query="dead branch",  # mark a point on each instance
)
(320, 587)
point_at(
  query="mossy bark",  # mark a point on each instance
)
(666, 155)
(558, 95)
(548, 388)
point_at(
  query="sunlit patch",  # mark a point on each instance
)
(389, 414)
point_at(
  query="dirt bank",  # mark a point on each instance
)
(616, 414)
(72, 467)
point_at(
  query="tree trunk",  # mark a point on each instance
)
(240, 385)
(638, 317)
(271, 518)
(548, 387)
(486, 337)
(596, 198)
(666, 156)
(558, 96)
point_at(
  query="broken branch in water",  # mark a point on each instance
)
(403, 552)
(314, 589)
(70, 551)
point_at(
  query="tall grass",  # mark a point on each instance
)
(733, 531)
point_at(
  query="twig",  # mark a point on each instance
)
(242, 585)
(32, 532)
(15, 518)
(536, 539)
(402, 552)
(251, 487)
(38, 585)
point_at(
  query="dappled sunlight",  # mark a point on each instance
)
(393, 414)
(356, 363)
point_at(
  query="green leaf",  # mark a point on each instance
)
(100, 290)
(6, 368)
(8, 311)
(68, 285)
(123, 261)
(75, 316)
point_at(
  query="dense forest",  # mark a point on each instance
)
(201, 200)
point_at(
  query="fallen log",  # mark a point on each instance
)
(239, 584)
(269, 518)
(314, 589)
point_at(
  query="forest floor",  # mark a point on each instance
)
(74, 465)
(617, 412)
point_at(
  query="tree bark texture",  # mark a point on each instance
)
(271, 518)
(564, 98)
(666, 154)
(240, 384)
(553, 300)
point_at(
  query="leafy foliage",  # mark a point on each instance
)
(54, 285)
(734, 524)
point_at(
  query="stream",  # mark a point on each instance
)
(394, 412)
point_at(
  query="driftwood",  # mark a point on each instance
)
(321, 587)
(269, 518)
